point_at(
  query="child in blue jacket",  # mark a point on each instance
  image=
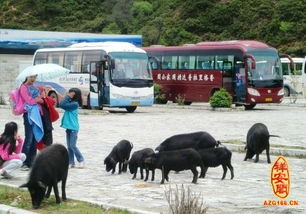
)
(70, 121)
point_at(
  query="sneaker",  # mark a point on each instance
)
(25, 168)
(6, 175)
(81, 164)
(71, 166)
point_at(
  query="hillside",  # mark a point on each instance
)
(280, 23)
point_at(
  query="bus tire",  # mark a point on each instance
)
(249, 107)
(186, 103)
(286, 91)
(130, 109)
(55, 97)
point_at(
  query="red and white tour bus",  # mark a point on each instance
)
(249, 70)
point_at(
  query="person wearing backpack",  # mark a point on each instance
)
(27, 92)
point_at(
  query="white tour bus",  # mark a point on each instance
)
(294, 80)
(112, 74)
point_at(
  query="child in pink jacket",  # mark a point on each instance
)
(11, 144)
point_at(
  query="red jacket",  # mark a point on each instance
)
(50, 105)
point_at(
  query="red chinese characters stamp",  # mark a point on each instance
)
(280, 178)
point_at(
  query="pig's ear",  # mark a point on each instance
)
(42, 185)
(24, 185)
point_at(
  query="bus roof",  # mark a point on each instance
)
(106, 46)
(244, 45)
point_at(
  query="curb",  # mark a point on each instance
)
(298, 153)
(5, 209)
(198, 107)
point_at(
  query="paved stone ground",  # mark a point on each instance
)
(147, 127)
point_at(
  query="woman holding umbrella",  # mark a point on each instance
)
(32, 100)
(31, 97)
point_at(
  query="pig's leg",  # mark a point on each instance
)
(114, 169)
(48, 191)
(153, 175)
(268, 154)
(163, 175)
(147, 175)
(167, 175)
(257, 158)
(231, 168)
(203, 172)
(64, 198)
(58, 200)
(141, 173)
(135, 174)
(120, 167)
(224, 171)
(195, 175)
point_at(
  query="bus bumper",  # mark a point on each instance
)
(128, 102)
(265, 95)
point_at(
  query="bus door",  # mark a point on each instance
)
(240, 80)
(227, 76)
(96, 86)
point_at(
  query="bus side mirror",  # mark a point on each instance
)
(290, 60)
(112, 64)
(253, 65)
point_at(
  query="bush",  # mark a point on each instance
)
(221, 99)
(184, 201)
(159, 97)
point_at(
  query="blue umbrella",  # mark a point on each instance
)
(43, 71)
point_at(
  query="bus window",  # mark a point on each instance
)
(186, 62)
(90, 56)
(56, 58)
(169, 62)
(73, 61)
(41, 58)
(225, 63)
(298, 68)
(285, 68)
(205, 62)
(155, 62)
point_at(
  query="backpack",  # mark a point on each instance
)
(16, 101)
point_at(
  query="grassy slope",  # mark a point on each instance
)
(280, 23)
(21, 199)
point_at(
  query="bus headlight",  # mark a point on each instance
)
(253, 92)
(281, 92)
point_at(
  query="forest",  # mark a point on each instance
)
(279, 23)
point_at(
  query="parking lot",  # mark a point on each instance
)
(147, 127)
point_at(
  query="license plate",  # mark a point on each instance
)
(135, 103)
(268, 99)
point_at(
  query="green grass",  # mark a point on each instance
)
(21, 199)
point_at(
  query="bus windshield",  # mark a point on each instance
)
(130, 66)
(268, 66)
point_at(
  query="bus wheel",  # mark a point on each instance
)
(131, 109)
(286, 92)
(249, 107)
(187, 103)
(55, 98)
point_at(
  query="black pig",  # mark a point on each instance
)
(49, 167)
(120, 153)
(137, 161)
